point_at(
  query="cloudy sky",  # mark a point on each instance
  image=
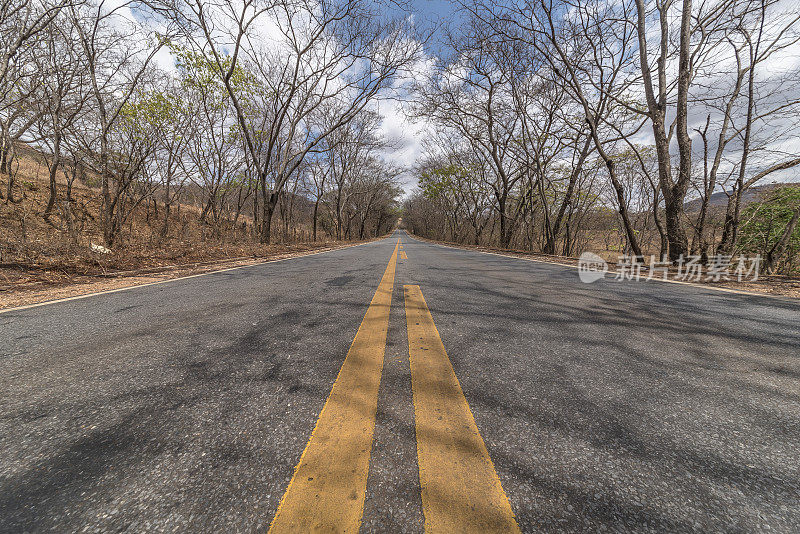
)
(429, 14)
(406, 136)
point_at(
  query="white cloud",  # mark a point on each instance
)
(405, 135)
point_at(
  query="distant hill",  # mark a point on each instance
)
(720, 198)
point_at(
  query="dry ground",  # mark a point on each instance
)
(22, 286)
(42, 260)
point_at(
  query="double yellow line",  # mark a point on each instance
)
(460, 488)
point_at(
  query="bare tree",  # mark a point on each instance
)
(471, 96)
(324, 52)
(60, 95)
(116, 55)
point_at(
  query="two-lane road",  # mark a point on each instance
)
(396, 386)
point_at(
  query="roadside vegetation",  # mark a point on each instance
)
(141, 133)
(636, 127)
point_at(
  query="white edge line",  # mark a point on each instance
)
(136, 286)
(606, 275)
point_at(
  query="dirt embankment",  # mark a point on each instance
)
(61, 256)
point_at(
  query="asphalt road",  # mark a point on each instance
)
(619, 406)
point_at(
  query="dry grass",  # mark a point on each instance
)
(41, 286)
(41, 259)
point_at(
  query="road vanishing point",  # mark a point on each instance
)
(401, 386)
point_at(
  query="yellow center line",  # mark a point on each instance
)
(461, 491)
(327, 490)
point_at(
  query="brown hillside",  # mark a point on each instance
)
(36, 253)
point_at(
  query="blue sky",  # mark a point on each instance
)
(433, 8)
(429, 14)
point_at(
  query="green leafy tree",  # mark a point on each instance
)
(770, 228)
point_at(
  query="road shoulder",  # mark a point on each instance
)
(767, 285)
(19, 296)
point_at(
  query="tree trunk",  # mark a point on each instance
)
(267, 213)
(699, 237)
(339, 214)
(256, 227)
(664, 250)
(623, 210)
(314, 220)
(69, 221)
(675, 231)
(167, 202)
(505, 239)
(51, 202)
(676, 236)
(381, 219)
(573, 179)
(4, 166)
(674, 193)
(726, 242)
(731, 229)
(107, 208)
